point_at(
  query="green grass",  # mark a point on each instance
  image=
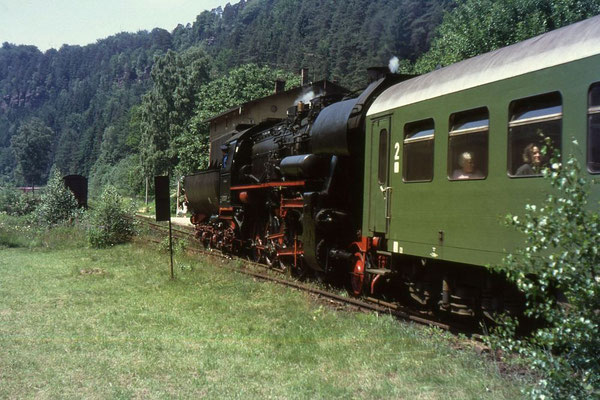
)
(84, 323)
(24, 232)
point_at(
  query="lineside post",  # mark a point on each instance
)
(163, 208)
(171, 248)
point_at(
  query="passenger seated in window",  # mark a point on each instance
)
(467, 170)
(532, 159)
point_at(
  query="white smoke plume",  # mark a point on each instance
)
(394, 64)
(306, 97)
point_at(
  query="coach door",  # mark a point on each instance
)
(380, 192)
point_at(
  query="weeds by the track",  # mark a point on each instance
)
(84, 323)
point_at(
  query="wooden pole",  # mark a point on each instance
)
(177, 199)
(171, 248)
(163, 209)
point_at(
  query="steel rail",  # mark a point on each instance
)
(368, 303)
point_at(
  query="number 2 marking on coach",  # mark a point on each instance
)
(397, 157)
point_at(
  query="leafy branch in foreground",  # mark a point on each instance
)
(557, 271)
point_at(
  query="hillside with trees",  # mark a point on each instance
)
(78, 93)
(335, 40)
(133, 104)
(478, 26)
(90, 97)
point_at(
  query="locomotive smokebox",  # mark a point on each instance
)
(202, 192)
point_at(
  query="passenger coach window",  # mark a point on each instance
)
(418, 151)
(382, 170)
(594, 129)
(468, 144)
(532, 121)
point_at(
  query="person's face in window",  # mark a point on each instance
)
(468, 165)
(536, 157)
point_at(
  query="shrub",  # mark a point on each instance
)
(57, 203)
(557, 271)
(13, 202)
(111, 221)
(26, 204)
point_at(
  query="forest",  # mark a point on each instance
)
(132, 105)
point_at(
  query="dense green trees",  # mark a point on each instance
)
(78, 92)
(478, 26)
(335, 40)
(32, 146)
(168, 106)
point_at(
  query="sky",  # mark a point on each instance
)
(52, 23)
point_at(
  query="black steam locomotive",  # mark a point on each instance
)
(289, 193)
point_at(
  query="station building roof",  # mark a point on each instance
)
(323, 86)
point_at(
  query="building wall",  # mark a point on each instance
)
(223, 127)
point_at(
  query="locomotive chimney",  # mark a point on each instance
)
(304, 76)
(376, 73)
(279, 85)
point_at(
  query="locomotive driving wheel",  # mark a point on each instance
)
(270, 253)
(205, 239)
(257, 249)
(357, 279)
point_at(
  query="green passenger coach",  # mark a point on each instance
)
(450, 153)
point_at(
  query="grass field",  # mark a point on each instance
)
(82, 323)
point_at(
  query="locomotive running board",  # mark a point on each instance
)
(269, 185)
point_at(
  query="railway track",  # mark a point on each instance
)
(252, 268)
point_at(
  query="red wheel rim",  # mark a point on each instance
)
(358, 273)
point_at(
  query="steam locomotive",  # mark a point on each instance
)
(375, 190)
(288, 193)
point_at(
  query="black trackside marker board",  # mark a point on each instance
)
(162, 199)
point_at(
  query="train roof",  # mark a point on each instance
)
(570, 43)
